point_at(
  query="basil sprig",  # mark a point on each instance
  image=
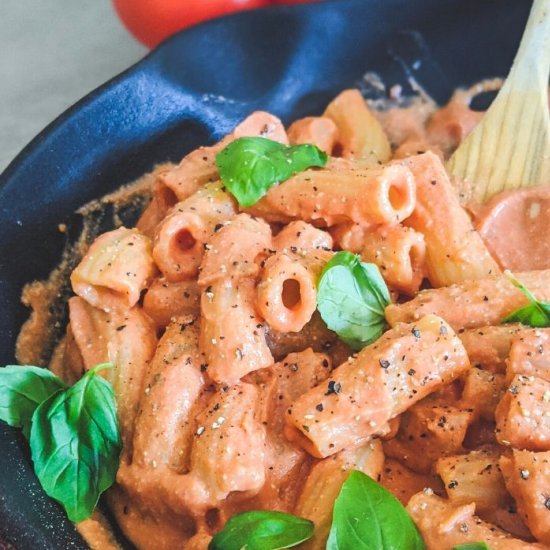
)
(472, 546)
(262, 530)
(366, 516)
(536, 314)
(22, 389)
(351, 298)
(250, 166)
(73, 432)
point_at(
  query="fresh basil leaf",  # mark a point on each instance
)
(366, 516)
(250, 166)
(75, 444)
(22, 389)
(351, 298)
(262, 530)
(536, 314)
(472, 546)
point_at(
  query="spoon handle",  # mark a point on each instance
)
(510, 148)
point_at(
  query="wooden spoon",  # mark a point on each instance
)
(510, 147)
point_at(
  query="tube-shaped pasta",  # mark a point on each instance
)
(360, 135)
(527, 477)
(324, 482)
(162, 200)
(286, 293)
(234, 250)
(165, 300)
(482, 392)
(454, 250)
(400, 253)
(299, 236)
(474, 477)
(378, 195)
(404, 483)
(228, 452)
(523, 414)
(199, 167)
(171, 387)
(232, 337)
(181, 236)
(403, 366)
(114, 271)
(530, 354)
(125, 339)
(350, 236)
(279, 386)
(427, 432)
(317, 130)
(472, 304)
(443, 525)
(488, 347)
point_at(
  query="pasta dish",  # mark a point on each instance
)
(306, 314)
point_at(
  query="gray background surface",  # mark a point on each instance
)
(52, 53)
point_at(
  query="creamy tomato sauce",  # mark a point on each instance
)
(159, 501)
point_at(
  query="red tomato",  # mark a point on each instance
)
(292, 1)
(151, 21)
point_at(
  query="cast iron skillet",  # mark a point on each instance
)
(190, 91)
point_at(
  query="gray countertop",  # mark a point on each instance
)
(52, 53)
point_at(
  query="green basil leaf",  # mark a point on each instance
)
(75, 444)
(351, 298)
(536, 314)
(250, 166)
(22, 389)
(366, 516)
(472, 546)
(262, 530)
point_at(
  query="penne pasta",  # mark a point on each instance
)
(232, 337)
(385, 378)
(427, 432)
(474, 477)
(198, 168)
(523, 414)
(488, 347)
(324, 483)
(400, 253)
(180, 238)
(286, 295)
(454, 250)
(360, 135)
(444, 525)
(279, 386)
(235, 250)
(218, 468)
(164, 300)
(317, 130)
(128, 341)
(472, 304)
(368, 196)
(171, 388)
(527, 477)
(299, 237)
(530, 354)
(162, 200)
(114, 271)
(350, 236)
(404, 483)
